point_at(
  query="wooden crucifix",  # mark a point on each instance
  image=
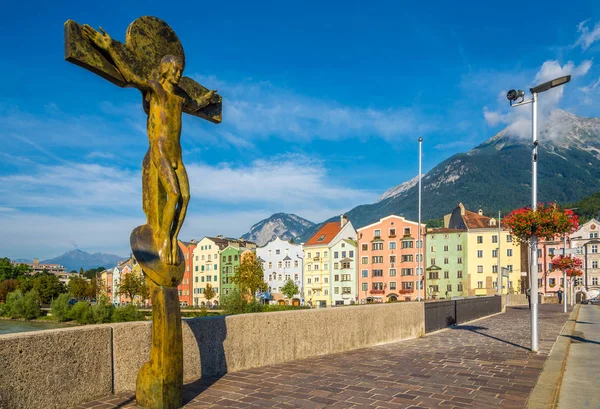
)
(152, 60)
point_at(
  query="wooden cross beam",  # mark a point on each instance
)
(148, 39)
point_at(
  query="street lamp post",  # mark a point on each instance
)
(419, 240)
(513, 96)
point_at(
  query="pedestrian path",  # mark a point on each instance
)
(485, 364)
(580, 387)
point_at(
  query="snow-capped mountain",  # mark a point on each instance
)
(286, 226)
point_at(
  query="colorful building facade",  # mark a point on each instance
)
(388, 260)
(344, 277)
(186, 289)
(446, 261)
(282, 261)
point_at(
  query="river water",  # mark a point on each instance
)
(10, 327)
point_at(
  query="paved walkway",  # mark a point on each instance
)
(482, 365)
(581, 380)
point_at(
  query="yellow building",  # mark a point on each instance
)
(489, 249)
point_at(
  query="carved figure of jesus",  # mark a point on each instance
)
(165, 203)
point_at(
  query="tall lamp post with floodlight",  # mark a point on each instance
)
(517, 98)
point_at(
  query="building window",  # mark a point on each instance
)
(479, 284)
(434, 288)
(494, 239)
(494, 253)
(407, 285)
(377, 246)
(434, 275)
(377, 259)
(480, 269)
(335, 254)
(351, 253)
(335, 266)
(365, 247)
(509, 239)
(594, 248)
(407, 257)
(509, 267)
(594, 280)
(308, 280)
(446, 260)
(364, 260)
(432, 249)
(459, 260)
(479, 239)
(594, 264)
(407, 244)
(377, 273)
(392, 232)
(365, 286)
(365, 273)
(446, 274)
(392, 259)
(407, 231)
(445, 248)
(459, 247)
(494, 269)
(509, 252)
(460, 287)
(449, 287)
(392, 272)
(407, 271)
(459, 274)
(377, 234)
(392, 245)
(392, 285)
(336, 290)
(479, 253)
(594, 235)
(343, 254)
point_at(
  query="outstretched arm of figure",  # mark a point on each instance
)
(105, 43)
(210, 97)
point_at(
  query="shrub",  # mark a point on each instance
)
(60, 308)
(127, 313)
(233, 303)
(23, 306)
(82, 313)
(103, 311)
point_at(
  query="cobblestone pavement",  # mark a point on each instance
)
(482, 365)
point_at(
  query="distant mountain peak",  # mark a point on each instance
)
(286, 226)
(76, 259)
(402, 187)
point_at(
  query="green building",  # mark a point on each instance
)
(230, 262)
(446, 270)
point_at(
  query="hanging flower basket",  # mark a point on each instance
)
(574, 272)
(566, 263)
(547, 222)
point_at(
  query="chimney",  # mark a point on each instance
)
(480, 212)
(343, 220)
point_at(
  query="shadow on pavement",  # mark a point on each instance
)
(476, 329)
(576, 338)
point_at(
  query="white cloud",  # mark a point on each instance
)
(587, 37)
(48, 208)
(258, 110)
(518, 119)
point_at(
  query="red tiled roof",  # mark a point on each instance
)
(325, 233)
(475, 220)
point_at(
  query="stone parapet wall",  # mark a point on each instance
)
(66, 367)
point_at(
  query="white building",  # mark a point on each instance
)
(587, 242)
(282, 261)
(206, 269)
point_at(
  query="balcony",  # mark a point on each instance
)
(316, 286)
(316, 258)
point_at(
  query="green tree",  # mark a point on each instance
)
(82, 313)
(79, 287)
(60, 308)
(289, 289)
(103, 310)
(133, 285)
(48, 287)
(23, 306)
(9, 271)
(209, 292)
(249, 276)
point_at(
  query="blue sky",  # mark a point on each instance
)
(323, 106)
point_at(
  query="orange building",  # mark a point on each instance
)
(388, 260)
(185, 288)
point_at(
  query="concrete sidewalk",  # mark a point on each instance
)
(580, 387)
(483, 364)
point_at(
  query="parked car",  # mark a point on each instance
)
(593, 301)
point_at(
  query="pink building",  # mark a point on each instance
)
(387, 266)
(549, 281)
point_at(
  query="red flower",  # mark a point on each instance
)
(547, 222)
